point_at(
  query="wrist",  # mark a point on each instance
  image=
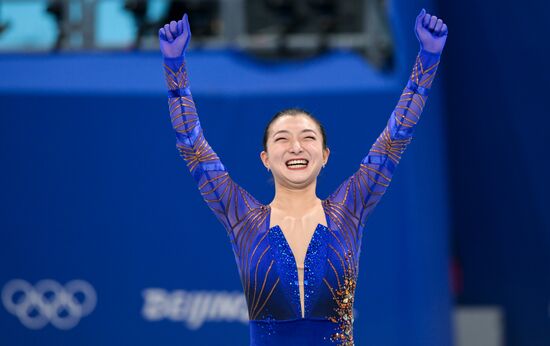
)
(427, 53)
(423, 72)
(174, 60)
(428, 58)
(176, 75)
(174, 63)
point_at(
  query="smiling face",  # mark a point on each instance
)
(295, 152)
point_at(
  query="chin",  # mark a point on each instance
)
(301, 182)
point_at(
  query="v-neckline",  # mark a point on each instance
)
(287, 244)
(283, 233)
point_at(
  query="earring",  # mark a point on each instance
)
(268, 169)
(324, 164)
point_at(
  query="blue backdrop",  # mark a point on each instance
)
(497, 84)
(93, 190)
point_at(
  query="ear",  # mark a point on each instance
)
(326, 154)
(264, 158)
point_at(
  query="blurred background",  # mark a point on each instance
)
(104, 239)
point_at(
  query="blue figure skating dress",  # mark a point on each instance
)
(266, 264)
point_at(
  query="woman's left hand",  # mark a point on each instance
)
(431, 32)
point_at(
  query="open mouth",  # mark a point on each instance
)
(297, 163)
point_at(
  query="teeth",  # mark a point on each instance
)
(296, 162)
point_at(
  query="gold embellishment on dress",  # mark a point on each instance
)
(199, 152)
(344, 297)
(423, 76)
(176, 80)
(247, 264)
(266, 299)
(256, 275)
(393, 148)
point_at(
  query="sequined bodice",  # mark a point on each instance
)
(266, 264)
(299, 254)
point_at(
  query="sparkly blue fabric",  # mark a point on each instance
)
(302, 332)
(265, 261)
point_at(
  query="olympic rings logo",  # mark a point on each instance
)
(49, 302)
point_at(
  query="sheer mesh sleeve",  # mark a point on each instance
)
(225, 198)
(357, 196)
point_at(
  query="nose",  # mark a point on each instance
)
(296, 147)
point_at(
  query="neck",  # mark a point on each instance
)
(295, 199)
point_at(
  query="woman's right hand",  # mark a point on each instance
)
(174, 38)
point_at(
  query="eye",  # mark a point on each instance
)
(310, 137)
(280, 138)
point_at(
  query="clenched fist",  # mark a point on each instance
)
(431, 32)
(174, 38)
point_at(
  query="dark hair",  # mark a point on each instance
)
(295, 112)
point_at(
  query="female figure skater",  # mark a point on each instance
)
(298, 256)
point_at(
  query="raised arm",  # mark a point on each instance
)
(360, 193)
(227, 200)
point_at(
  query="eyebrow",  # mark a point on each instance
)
(286, 131)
